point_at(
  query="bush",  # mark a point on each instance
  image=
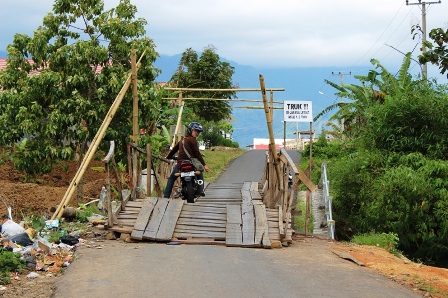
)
(10, 262)
(85, 212)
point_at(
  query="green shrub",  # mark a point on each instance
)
(10, 262)
(85, 212)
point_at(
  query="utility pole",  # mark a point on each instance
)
(423, 4)
(341, 78)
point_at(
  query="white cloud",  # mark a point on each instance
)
(265, 33)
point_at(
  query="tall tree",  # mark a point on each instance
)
(80, 58)
(437, 50)
(206, 71)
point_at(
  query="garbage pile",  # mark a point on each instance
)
(48, 250)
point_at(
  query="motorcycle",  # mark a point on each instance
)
(191, 186)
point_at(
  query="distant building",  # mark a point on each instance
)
(291, 144)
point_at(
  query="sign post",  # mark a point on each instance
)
(301, 111)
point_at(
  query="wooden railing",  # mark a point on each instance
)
(108, 160)
(157, 171)
(275, 190)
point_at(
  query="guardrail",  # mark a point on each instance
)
(328, 201)
(276, 192)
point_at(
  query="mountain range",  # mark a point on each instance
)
(304, 84)
(300, 84)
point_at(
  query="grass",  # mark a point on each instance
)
(299, 220)
(218, 160)
(388, 241)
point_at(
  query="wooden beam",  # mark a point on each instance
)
(223, 90)
(234, 236)
(143, 218)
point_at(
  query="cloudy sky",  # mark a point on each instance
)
(267, 33)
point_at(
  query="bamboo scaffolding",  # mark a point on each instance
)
(94, 145)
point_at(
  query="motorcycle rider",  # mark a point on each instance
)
(191, 144)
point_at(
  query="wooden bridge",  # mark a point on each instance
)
(249, 214)
(232, 215)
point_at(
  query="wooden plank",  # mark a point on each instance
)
(201, 222)
(261, 228)
(205, 209)
(128, 216)
(155, 220)
(280, 221)
(223, 202)
(169, 220)
(143, 218)
(202, 241)
(234, 236)
(133, 209)
(208, 204)
(205, 234)
(135, 204)
(246, 186)
(246, 197)
(188, 228)
(217, 216)
(248, 217)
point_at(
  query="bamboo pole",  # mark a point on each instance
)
(93, 146)
(177, 132)
(220, 99)
(135, 128)
(272, 148)
(223, 90)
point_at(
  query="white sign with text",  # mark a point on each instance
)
(298, 111)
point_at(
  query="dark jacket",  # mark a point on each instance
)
(192, 147)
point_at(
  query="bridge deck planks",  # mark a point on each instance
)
(143, 218)
(233, 226)
(231, 215)
(155, 220)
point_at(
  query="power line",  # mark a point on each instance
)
(379, 36)
(423, 29)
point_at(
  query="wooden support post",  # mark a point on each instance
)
(148, 170)
(117, 177)
(109, 203)
(272, 201)
(272, 148)
(135, 129)
(308, 203)
(284, 188)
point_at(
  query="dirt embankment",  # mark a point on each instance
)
(34, 196)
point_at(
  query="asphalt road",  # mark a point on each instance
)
(305, 269)
(249, 167)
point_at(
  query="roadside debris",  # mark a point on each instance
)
(46, 251)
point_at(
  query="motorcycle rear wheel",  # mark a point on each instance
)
(189, 191)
